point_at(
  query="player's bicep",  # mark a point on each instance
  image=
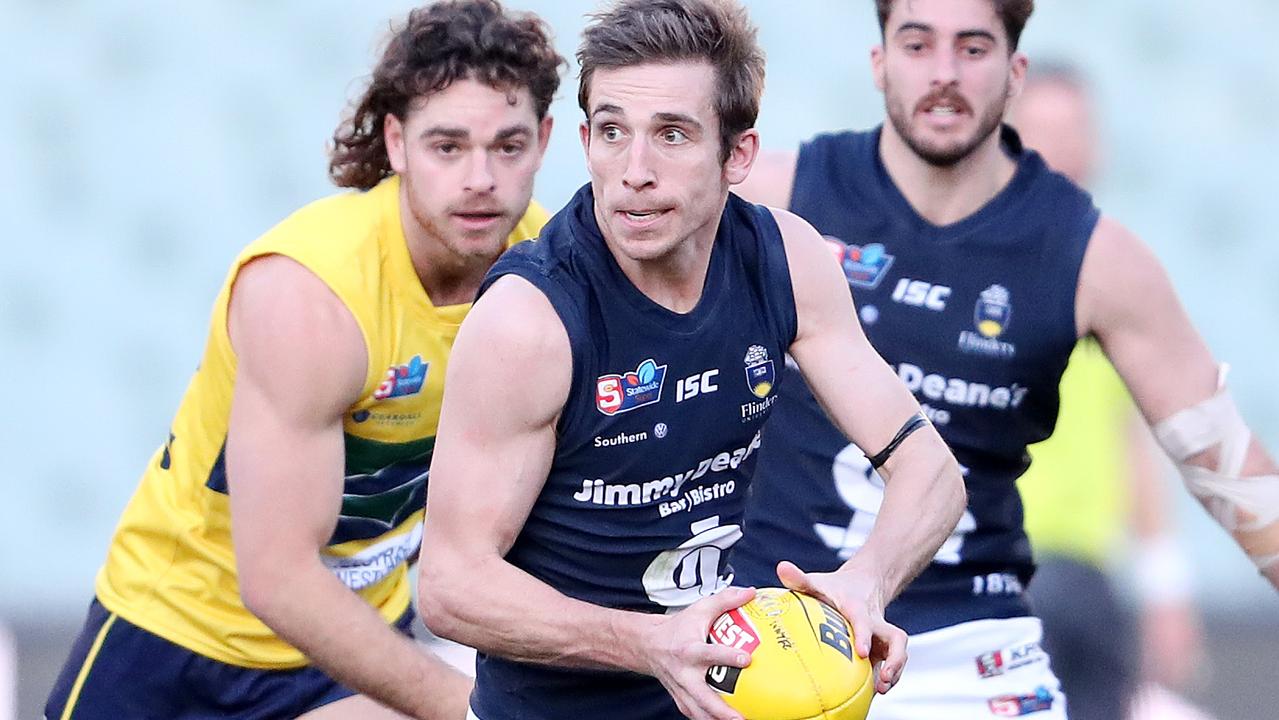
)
(300, 363)
(832, 351)
(1127, 301)
(507, 381)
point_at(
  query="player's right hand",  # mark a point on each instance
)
(678, 655)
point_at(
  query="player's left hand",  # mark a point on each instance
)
(860, 599)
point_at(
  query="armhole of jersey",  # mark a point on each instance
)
(372, 377)
(1074, 253)
(782, 287)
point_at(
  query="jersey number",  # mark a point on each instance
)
(691, 571)
(861, 488)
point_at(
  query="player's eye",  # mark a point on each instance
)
(674, 136)
(611, 133)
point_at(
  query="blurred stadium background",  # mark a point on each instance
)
(148, 141)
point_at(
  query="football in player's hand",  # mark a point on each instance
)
(803, 666)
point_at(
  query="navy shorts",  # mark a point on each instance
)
(118, 671)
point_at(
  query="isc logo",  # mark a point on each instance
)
(918, 293)
(694, 385)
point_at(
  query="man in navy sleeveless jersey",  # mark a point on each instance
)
(976, 269)
(595, 449)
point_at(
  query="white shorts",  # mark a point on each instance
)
(975, 671)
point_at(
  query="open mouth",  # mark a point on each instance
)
(478, 218)
(642, 217)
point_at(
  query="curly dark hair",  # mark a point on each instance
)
(719, 32)
(438, 45)
(1013, 13)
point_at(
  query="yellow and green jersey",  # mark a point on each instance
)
(171, 567)
(1076, 490)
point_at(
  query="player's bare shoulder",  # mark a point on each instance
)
(533, 327)
(285, 322)
(1120, 274)
(513, 331)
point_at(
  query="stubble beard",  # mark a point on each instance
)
(945, 156)
(436, 228)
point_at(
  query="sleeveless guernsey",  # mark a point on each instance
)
(978, 320)
(656, 443)
(171, 569)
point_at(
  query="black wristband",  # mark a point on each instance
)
(912, 424)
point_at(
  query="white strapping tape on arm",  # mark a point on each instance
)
(1216, 422)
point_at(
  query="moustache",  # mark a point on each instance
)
(944, 96)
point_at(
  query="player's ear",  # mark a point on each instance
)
(741, 156)
(1017, 66)
(393, 137)
(543, 137)
(877, 66)
(584, 132)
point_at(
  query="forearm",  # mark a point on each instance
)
(923, 501)
(1262, 544)
(344, 636)
(1242, 496)
(524, 619)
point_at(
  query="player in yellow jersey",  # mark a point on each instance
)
(260, 569)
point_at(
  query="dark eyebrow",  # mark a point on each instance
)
(961, 35)
(607, 108)
(459, 133)
(679, 118)
(453, 133)
(510, 132)
(913, 26)
(985, 34)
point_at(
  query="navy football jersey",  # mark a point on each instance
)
(978, 320)
(656, 443)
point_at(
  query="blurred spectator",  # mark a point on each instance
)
(1096, 482)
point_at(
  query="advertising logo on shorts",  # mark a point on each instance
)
(621, 393)
(759, 371)
(991, 316)
(401, 380)
(864, 265)
(1018, 705)
(999, 662)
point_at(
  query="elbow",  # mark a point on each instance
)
(438, 599)
(262, 591)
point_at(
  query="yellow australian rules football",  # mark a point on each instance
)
(803, 666)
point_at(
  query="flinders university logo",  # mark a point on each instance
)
(759, 371)
(621, 393)
(993, 311)
(991, 317)
(401, 380)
